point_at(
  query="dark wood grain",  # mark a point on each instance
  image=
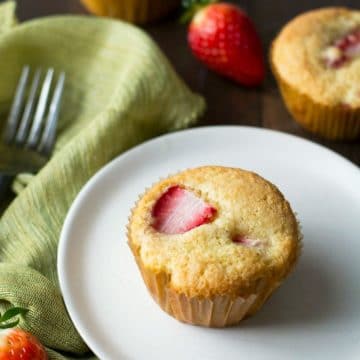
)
(228, 103)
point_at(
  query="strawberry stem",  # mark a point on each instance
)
(9, 315)
(191, 7)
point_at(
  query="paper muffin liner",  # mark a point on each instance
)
(216, 311)
(136, 11)
(338, 122)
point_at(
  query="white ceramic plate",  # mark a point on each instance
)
(314, 315)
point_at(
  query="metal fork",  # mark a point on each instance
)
(31, 124)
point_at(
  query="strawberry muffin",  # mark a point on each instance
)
(316, 60)
(212, 243)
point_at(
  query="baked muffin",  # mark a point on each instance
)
(212, 243)
(135, 11)
(316, 60)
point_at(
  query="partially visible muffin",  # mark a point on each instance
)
(135, 11)
(316, 60)
(212, 243)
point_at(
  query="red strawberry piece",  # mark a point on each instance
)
(224, 38)
(243, 240)
(343, 49)
(16, 344)
(179, 210)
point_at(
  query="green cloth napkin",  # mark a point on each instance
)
(120, 90)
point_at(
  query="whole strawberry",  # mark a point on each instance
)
(224, 38)
(16, 343)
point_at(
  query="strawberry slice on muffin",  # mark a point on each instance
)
(179, 210)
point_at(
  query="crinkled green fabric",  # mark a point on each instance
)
(120, 90)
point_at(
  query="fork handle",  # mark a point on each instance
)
(5, 182)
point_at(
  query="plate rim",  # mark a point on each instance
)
(70, 216)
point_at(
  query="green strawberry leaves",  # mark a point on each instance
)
(9, 325)
(10, 314)
(190, 3)
(191, 7)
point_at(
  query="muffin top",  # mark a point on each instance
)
(215, 231)
(319, 53)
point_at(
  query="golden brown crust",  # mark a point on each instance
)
(298, 57)
(204, 262)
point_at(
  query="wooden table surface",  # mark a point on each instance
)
(227, 102)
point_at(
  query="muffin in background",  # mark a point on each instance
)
(316, 61)
(135, 11)
(213, 243)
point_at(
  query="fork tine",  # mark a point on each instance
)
(25, 120)
(13, 118)
(35, 131)
(48, 136)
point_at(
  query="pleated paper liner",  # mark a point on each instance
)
(219, 311)
(135, 11)
(338, 122)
